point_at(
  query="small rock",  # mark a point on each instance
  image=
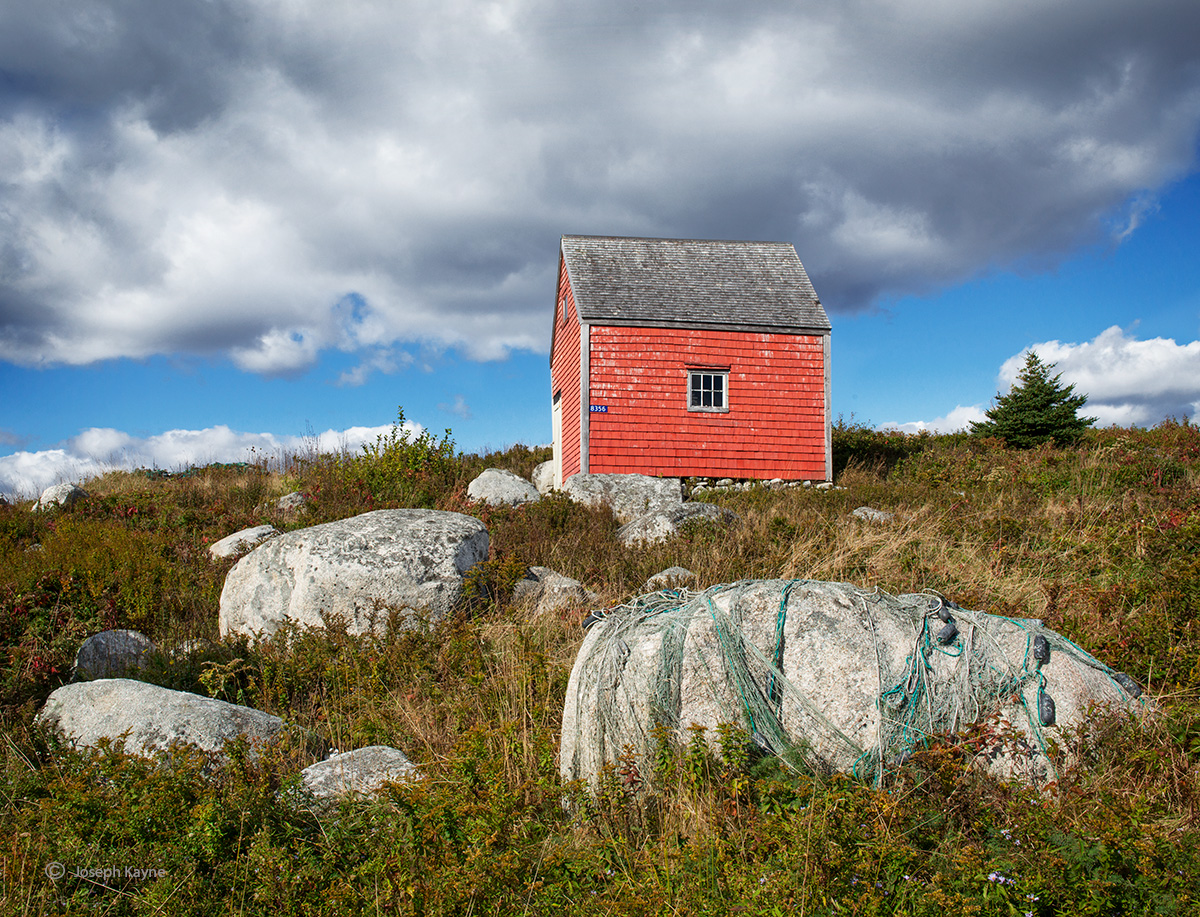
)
(363, 772)
(497, 487)
(670, 578)
(59, 495)
(241, 542)
(290, 503)
(867, 514)
(725, 482)
(825, 485)
(111, 653)
(548, 590)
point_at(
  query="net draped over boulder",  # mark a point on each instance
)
(827, 675)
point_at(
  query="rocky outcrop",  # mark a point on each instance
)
(629, 495)
(241, 542)
(497, 487)
(659, 526)
(360, 569)
(59, 495)
(149, 719)
(111, 653)
(546, 590)
(846, 678)
(363, 772)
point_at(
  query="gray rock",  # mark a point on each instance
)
(845, 696)
(543, 477)
(241, 542)
(497, 487)
(59, 495)
(363, 772)
(671, 578)
(290, 503)
(111, 653)
(659, 526)
(547, 590)
(357, 568)
(867, 514)
(149, 719)
(825, 485)
(629, 495)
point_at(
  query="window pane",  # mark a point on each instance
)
(706, 390)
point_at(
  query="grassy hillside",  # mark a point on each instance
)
(1102, 541)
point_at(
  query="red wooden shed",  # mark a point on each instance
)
(688, 357)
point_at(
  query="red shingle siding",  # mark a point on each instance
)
(775, 427)
(564, 374)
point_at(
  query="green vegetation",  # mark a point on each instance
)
(1039, 409)
(1100, 539)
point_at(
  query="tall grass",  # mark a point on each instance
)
(1100, 540)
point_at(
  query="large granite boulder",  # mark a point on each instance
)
(497, 487)
(111, 653)
(659, 526)
(241, 542)
(543, 477)
(547, 590)
(363, 772)
(360, 569)
(150, 719)
(844, 678)
(629, 495)
(59, 495)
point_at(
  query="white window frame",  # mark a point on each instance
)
(698, 384)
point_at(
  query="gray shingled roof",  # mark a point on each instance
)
(692, 282)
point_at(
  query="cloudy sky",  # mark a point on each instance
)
(236, 223)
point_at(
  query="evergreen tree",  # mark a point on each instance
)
(1038, 409)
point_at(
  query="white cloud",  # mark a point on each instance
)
(98, 450)
(1129, 382)
(178, 181)
(960, 418)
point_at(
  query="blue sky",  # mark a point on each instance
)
(235, 224)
